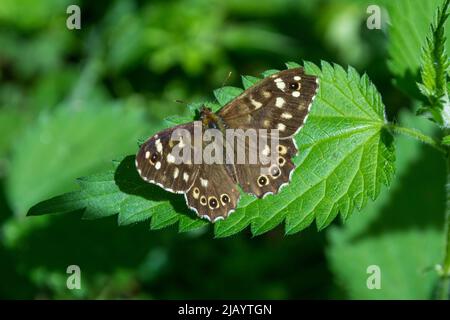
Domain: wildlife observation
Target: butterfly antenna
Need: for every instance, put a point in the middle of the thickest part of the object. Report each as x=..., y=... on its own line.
x=227, y=78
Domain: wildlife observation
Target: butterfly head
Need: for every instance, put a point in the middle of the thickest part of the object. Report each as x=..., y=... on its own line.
x=204, y=110
x=209, y=118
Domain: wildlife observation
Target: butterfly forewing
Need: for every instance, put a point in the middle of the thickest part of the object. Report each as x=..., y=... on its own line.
x=156, y=164
x=281, y=102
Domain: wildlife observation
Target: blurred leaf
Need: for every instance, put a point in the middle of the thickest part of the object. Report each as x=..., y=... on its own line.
x=65, y=145
x=400, y=232
x=342, y=145
x=184, y=33
x=28, y=14
x=446, y=140
x=11, y=123
x=404, y=258
x=256, y=37
x=270, y=8
x=125, y=35
x=194, y=34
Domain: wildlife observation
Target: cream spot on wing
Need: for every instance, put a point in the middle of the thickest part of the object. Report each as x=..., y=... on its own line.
x=204, y=182
x=266, y=123
x=279, y=103
x=286, y=115
x=281, y=127
x=185, y=176
x=159, y=146
x=281, y=85
x=175, y=173
x=255, y=103
x=170, y=158
x=158, y=165
x=296, y=94
x=147, y=154
x=267, y=94
x=297, y=78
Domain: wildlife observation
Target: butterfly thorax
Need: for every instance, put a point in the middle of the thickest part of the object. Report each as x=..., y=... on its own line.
x=210, y=120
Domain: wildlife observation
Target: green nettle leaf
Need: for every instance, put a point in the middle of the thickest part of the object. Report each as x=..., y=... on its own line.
x=176, y=119
x=270, y=72
x=434, y=69
x=248, y=81
x=292, y=65
x=226, y=94
x=399, y=214
x=345, y=155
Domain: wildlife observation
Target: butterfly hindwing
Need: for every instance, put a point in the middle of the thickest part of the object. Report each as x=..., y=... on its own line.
x=155, y=162
x=214, y=194
x=263, y=179
x=280, y=101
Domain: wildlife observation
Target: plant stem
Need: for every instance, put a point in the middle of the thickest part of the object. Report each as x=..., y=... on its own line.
x=443, y=290
x=444, y=285
x=416, y=134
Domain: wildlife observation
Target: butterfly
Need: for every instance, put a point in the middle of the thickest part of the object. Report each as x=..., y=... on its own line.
x=279, y=103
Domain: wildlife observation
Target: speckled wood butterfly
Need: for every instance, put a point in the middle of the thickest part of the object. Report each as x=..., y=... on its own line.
x=280, y=102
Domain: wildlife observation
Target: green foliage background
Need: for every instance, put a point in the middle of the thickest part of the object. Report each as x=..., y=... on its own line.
x=70, y=101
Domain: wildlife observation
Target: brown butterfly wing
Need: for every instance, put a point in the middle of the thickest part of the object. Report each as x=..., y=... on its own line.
x=155, y=162
x=210, y=189
x=214, y=194
x=281, y=101
x=264, y=179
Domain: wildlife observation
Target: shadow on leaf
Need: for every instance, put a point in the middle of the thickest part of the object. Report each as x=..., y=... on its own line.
x=129, y=182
